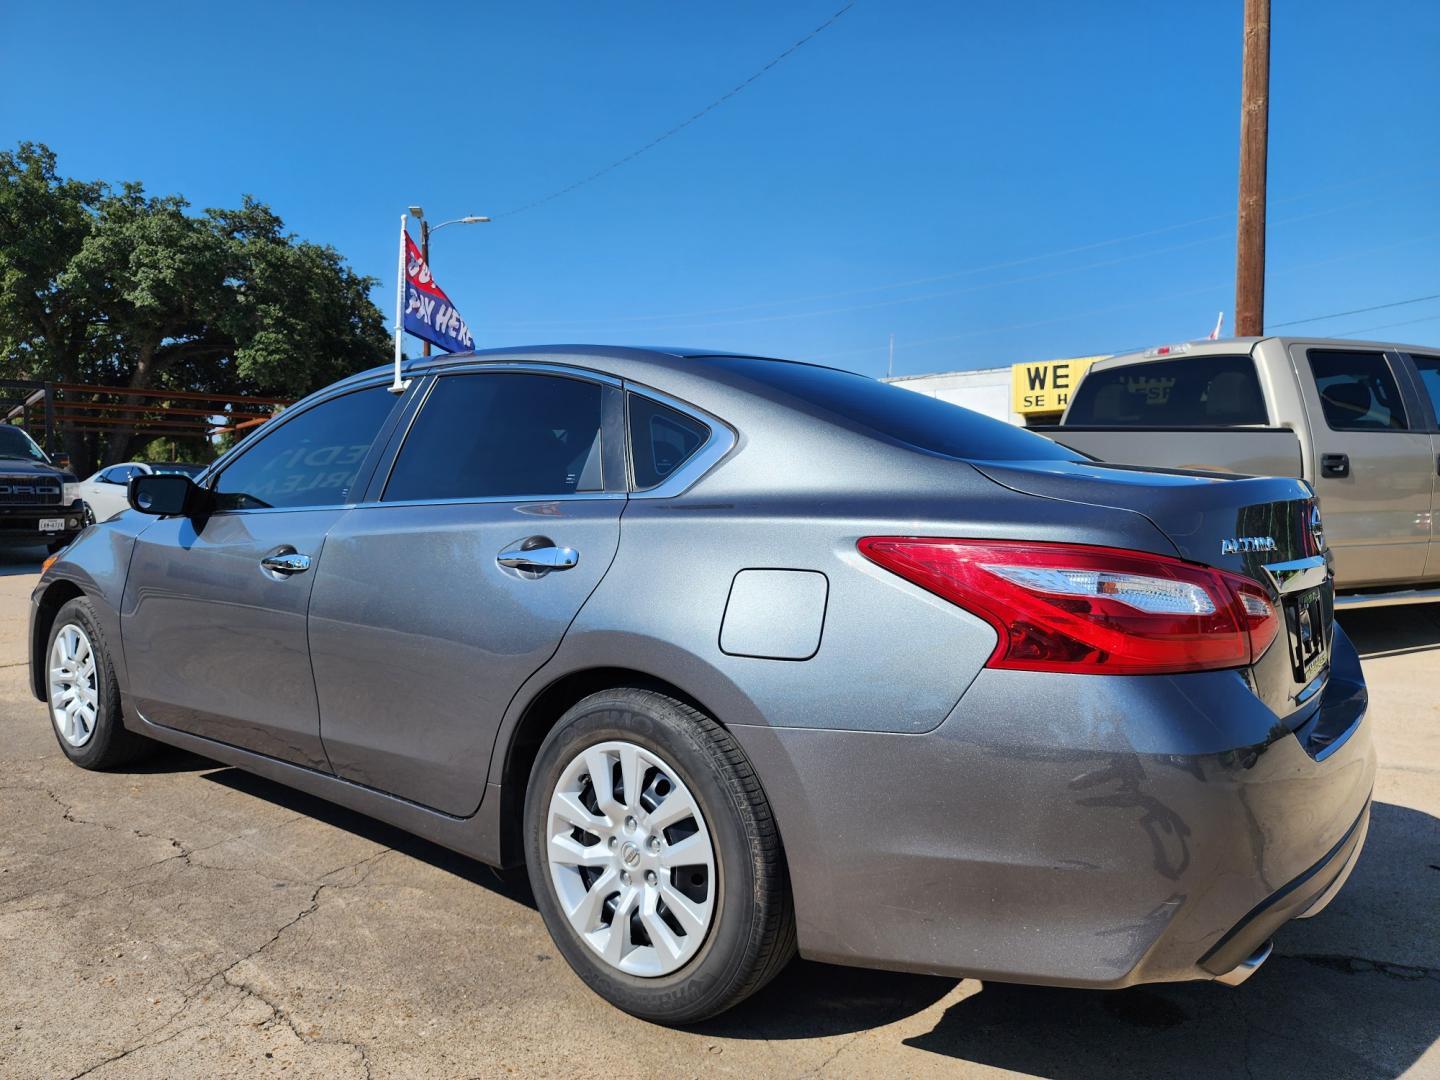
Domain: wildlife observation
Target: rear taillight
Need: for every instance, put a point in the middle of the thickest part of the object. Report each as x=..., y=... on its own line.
x=1069, y=607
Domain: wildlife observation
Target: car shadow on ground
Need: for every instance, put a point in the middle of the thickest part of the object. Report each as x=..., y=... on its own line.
x=1393, y=631
x=15, y=561
x=512, y=884
x=1322, y=996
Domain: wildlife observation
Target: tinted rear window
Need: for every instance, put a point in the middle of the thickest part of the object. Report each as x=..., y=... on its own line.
x=1193, y=391
x=1357, y=391
x=918, y=420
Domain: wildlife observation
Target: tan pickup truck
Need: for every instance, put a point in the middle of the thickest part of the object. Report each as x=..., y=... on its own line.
x=1356, y=419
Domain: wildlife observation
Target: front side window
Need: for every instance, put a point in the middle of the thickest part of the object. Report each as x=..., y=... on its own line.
x=1357, y=391
x=312, y=460
x=661, y=440
x=1429, y=367
x=502, y=434
x=1198, y=391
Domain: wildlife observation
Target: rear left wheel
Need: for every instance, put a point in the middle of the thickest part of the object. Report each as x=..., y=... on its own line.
x=654, y=857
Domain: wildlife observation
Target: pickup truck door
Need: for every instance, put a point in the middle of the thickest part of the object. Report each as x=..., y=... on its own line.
x=1427, y=374
x=1373, y=462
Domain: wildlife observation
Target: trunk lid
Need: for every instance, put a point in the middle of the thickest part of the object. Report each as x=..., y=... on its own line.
x=1266, y=528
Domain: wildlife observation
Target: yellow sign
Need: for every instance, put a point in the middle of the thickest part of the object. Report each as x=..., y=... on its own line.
x=1045, y=387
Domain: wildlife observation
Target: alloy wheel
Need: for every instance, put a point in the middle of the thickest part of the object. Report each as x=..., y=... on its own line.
x=74, y=697
x=631, y=859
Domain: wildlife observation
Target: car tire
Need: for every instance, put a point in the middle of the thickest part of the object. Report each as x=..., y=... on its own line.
x=705, y=925
x=87, y=722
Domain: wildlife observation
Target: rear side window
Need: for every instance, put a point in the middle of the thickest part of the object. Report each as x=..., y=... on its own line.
x=1357, y=391
x=917, y=420
x=497, y=434
x=1429, y=367
x=661, y=440
x=1198, y=391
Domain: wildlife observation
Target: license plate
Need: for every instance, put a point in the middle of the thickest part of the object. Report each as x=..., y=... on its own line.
x=52, y=524
x=1309, y=636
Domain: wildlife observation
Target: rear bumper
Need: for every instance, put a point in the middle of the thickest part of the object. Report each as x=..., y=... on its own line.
x=1073, y=830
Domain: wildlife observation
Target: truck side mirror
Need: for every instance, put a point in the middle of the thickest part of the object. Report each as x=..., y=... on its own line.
x=166, y=494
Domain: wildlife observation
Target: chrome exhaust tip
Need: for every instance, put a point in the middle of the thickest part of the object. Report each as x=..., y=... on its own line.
x=1247, y=967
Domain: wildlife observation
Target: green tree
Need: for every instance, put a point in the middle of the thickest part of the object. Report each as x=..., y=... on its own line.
x=122, y=288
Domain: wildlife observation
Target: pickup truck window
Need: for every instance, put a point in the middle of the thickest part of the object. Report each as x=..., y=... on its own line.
x=1357, y=391
x=1429, y=367
x=1198, y=391
x=14, y=443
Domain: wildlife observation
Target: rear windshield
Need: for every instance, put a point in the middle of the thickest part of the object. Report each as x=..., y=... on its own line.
x=1193, y=391
x=917, y=420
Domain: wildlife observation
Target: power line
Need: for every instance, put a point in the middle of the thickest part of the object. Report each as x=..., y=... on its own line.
x=680, y=126
x=1145, y=302
x=968, y=289
x=1356, y=311
x=1385, y=326
x=618, y=323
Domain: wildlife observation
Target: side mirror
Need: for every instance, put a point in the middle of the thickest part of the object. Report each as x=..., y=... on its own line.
x=166, y=494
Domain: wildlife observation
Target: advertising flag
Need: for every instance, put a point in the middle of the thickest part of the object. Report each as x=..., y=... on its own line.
x=429, y=314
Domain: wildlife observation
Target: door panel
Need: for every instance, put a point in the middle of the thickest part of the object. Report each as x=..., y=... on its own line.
x=420, y=638
x=215, y=643
x=1377, y=517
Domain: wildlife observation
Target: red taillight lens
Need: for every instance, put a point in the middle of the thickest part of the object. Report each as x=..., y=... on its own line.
x=1069, y=607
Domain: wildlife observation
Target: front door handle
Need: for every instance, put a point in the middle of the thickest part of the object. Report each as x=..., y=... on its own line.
x=538, y=555
x=286, y=563
x=1335, y=466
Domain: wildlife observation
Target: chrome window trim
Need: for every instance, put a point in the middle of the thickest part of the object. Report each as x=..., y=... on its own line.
x=519, y=500
x=528, y=366
x=435, y=375
x=721, y=441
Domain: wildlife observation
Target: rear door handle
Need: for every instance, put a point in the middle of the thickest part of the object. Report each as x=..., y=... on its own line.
x=286, y=563
x=541, y=558
x=1335, y=466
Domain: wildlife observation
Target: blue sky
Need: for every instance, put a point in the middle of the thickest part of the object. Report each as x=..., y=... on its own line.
x=988, y=183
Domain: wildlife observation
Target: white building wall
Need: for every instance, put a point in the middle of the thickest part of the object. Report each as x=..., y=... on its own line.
x=985, y=391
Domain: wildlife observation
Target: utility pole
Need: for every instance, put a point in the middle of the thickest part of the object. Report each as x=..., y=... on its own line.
x=890, y=365
x=1254, y=138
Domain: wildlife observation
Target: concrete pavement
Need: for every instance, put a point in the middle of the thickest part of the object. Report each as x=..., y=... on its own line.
x=188, y=920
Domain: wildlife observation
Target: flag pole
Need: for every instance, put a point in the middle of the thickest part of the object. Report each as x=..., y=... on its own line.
x=399, y=385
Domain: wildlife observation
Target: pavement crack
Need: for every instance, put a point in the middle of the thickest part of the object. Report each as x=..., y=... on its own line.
x=1362, y=965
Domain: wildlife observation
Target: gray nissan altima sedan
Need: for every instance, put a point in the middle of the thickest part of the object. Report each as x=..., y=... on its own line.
x=741, y=656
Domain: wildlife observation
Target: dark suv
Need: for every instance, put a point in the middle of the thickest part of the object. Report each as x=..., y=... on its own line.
x=38, y=503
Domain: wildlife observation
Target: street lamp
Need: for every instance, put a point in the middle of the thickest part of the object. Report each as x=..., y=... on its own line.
x=425, y=230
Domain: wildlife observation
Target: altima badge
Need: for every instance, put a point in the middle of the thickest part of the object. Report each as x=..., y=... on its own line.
x=1235, y=544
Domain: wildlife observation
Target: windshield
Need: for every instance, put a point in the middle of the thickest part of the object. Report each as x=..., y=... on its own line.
x=14, y=443
x=912, y=418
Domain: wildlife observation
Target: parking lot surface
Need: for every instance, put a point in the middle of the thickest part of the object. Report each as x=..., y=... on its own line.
x=187, y=920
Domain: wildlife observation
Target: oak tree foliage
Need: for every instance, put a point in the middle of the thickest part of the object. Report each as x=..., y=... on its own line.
x=111, y=285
